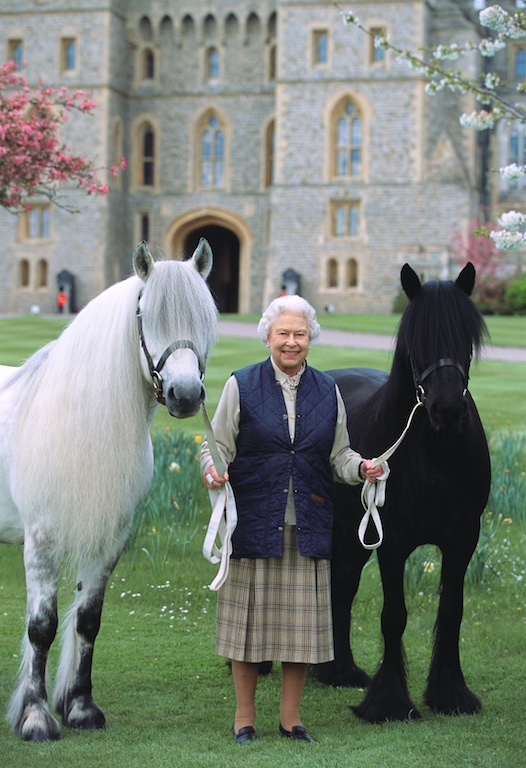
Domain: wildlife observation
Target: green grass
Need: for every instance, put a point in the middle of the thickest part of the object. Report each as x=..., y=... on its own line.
x=169, y=701
x=505, y=331
x=498, y=387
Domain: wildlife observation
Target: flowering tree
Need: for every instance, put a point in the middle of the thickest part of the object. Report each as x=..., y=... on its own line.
x=497, y=102
x=33, y=161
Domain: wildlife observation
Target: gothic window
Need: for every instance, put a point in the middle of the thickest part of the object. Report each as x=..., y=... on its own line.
x=147, y=64
x=68, y=54
x=351, y=273
x=320, y=46
x=212, y=64
x=272, y=63
x=212, y=153
x=269, y=153
x=23, y=274
x=147, y=157
x=16, y=52
x=332, y=273
x=347, y=140
x=42, y=273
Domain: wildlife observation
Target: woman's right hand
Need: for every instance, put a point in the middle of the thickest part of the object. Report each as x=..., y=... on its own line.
x=214, y=481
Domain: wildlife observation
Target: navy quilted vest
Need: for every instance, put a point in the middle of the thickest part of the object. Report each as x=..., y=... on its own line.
x=266, y=459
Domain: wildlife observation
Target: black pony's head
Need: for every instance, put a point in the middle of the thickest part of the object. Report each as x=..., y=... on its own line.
x=440, y=332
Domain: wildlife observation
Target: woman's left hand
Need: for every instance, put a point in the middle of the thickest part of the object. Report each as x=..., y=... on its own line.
x=369, y=472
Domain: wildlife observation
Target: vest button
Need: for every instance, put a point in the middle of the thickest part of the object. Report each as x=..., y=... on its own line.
x=285, y=490
x=292, y=453
x=280, y=528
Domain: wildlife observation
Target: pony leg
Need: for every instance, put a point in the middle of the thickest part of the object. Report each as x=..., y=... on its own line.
x=346, y=565
x=446, y=690
x=73, y=688
x=29, y=713
x=388, y=696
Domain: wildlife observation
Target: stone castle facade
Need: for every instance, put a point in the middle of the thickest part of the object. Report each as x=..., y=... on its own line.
x=284, y=137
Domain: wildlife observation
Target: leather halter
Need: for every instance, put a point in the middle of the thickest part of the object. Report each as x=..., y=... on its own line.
x=419, y=378
x=155, y=370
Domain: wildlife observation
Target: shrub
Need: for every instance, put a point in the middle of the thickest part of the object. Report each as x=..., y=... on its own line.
x=515, y=295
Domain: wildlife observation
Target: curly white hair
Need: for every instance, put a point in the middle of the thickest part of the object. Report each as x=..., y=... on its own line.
x=295, y=304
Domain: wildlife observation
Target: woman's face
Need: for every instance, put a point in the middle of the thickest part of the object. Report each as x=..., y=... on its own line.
x=288, y=341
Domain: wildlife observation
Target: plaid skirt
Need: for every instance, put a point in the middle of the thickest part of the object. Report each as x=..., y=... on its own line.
x=276, y=609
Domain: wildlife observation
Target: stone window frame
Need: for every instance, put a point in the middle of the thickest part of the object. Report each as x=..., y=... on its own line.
x=376, y=57
x=69, y=43
x=352, y=151
x=36, y=223
x=269, y=157
x=146, y=163
x=15, y=50
x=343, y=222
x=319, y=34
x=341, y=274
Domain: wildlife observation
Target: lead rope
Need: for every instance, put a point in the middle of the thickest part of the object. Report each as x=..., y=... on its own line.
x=373, y=494
x=223, y=519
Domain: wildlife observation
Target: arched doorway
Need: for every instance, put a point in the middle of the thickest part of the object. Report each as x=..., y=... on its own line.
x=224, y=278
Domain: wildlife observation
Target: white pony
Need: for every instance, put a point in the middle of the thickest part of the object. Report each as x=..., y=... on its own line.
x=76, y=459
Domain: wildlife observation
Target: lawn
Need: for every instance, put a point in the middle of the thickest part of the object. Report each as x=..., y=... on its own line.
x=497, y=387
x=168, y=699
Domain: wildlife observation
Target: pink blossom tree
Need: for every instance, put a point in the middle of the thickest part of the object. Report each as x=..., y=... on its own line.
x=33, y=161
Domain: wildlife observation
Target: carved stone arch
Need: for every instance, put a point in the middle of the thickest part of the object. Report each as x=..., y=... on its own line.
x=231, y=242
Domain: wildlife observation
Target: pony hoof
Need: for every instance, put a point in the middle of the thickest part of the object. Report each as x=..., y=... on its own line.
x=85, y=716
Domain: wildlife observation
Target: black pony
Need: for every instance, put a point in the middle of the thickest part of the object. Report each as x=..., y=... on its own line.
x=436, y=492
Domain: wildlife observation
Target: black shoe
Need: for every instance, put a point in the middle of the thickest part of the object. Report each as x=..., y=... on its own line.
x=245, y=735
x=298, y=733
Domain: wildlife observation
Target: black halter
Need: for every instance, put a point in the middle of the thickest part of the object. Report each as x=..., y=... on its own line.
x=419, y=378
x=155, y=370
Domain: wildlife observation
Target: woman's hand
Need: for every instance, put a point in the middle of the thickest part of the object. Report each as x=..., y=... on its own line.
x=214, y=481
x=368, y=472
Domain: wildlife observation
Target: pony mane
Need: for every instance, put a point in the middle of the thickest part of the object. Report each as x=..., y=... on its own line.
x=441, y=321
x=84, y=407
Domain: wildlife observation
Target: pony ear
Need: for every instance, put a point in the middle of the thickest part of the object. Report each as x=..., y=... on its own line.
x=466, y=279
x=142, y=261
x=202, y=258
x=410, y=281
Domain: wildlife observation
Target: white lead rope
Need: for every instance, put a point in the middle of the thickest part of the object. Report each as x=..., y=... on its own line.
x=373, y=494
x=223, y=520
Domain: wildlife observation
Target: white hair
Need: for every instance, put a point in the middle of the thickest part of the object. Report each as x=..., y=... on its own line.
x=295, y=304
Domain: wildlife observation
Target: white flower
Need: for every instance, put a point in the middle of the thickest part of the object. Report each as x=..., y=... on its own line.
x=442, y=52
x=507, y=241
x=175, y=467
x=491, y=80
x=489, y=48
x=349, y=18
x=512, y=172
x=494, y=17
x=512, y=220
x=478, y=120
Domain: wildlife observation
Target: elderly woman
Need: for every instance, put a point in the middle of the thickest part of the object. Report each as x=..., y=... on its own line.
x=281, y=429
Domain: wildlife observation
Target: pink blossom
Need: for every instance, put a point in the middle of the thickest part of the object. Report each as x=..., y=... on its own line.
x=33, y=159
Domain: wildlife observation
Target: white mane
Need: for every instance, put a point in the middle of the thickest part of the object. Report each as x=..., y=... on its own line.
x=82, y=451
